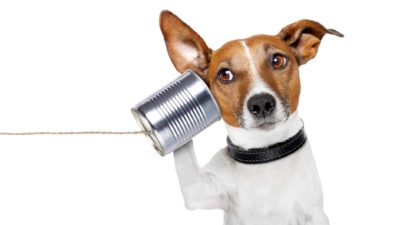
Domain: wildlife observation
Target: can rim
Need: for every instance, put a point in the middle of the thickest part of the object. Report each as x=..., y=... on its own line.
x=150, y=134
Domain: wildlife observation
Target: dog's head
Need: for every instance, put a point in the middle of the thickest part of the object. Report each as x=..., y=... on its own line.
x=254, y=80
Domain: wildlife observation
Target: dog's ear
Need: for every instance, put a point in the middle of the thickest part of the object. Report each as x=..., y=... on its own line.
x=304, y=37
x=186, y=48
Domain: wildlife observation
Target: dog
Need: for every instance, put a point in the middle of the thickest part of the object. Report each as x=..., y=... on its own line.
x=267, y=174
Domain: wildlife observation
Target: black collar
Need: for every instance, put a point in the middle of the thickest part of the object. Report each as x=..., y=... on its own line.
x=269, y=153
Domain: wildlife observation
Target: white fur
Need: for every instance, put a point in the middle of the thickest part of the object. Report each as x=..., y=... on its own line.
x=282, y=192
x=253, y=68
x=258, y=86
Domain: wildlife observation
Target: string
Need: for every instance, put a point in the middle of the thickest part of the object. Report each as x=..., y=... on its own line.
x=73, y=133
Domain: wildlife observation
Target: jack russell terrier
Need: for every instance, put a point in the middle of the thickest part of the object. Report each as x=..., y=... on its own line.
x=267, y=174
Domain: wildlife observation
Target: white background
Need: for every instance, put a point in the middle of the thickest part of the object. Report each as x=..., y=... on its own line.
x=81, y=65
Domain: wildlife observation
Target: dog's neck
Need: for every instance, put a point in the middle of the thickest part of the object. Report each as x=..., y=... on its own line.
x=261, y=138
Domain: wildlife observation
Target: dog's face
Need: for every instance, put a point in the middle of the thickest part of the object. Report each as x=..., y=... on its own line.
x=255, y=80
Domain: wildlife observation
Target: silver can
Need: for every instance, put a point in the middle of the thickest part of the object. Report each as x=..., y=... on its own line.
x=173, y=115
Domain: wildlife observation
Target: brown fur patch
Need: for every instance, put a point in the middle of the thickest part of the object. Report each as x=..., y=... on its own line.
x=229, y=96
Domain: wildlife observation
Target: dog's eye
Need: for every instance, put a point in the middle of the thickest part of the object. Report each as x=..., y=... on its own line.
x=279, y=61
x=225, y=75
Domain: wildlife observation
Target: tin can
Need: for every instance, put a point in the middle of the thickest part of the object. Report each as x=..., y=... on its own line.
x=176, y=113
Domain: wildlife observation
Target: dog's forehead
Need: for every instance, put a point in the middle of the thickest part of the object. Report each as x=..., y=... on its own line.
x=234, y=52
x=228, y=50
x=263, y=40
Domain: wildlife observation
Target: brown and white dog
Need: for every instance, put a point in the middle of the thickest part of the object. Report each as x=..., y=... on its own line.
x=256, y=84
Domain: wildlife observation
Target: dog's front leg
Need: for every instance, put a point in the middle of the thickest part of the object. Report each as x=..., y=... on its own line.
x=200, y=186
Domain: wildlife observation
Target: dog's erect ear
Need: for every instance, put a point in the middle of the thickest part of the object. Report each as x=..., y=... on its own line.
x=304, y=37
x=186, y=48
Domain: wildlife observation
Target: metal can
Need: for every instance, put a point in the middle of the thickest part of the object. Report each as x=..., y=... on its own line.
x=173, y=115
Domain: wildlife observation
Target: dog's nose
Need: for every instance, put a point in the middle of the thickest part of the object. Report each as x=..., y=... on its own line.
x=261, y=105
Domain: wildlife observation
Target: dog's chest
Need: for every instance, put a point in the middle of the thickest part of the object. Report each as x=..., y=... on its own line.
x=280, y=192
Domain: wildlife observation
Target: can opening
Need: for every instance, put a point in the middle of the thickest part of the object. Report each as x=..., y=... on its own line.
x=151, y=136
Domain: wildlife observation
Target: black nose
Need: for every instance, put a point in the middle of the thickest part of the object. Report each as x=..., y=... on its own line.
x=261, y=105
